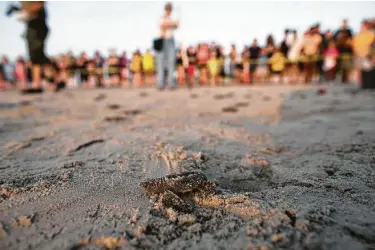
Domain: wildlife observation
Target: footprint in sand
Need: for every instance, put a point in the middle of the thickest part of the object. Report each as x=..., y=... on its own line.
x=242, y=104
x=229, y=110
x=267, y=98
x=114, y=118
x=100, y=97
x=113, y=106
x=132, y=112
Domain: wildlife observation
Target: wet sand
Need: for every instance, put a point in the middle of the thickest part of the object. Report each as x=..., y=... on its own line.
x=294, y=169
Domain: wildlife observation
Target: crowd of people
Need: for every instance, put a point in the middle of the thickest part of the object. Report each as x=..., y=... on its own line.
x=314, y=56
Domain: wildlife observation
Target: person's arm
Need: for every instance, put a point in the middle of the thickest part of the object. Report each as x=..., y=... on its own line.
x=32, y=7
x=335, y=36
x=167, y=24
x=350, y=33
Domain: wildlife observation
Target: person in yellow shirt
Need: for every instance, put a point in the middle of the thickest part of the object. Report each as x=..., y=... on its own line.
x=148, y=68
x=136, y=68
x=277, y=62
x=361, y=44
x=213, y=67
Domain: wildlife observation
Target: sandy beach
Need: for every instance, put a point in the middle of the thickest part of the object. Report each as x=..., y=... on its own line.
x=294, y=169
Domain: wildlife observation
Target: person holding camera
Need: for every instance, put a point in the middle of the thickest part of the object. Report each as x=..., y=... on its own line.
x=166, y=56
x=34, y=14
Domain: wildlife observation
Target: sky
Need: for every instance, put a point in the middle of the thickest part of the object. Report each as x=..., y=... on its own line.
x=89, y=26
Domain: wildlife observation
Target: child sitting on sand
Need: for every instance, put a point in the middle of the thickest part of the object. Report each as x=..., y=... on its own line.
x=277, y=62
x=213, y=68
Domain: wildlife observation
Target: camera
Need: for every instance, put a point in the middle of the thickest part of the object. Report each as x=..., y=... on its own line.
x=11, y=9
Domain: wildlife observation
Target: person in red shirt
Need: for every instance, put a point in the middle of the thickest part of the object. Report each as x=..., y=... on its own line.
x=192, y=59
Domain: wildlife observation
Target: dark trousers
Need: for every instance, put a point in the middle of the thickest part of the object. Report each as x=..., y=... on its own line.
x=36, y=37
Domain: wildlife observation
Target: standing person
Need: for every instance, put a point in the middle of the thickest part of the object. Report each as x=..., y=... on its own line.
x=2, y=84
x=82, y=69
x=192, y=59
x=254, y=54
x=284, y=47
x=166, y=59
x=246, y=65
x=270, y=46
x=277, y=62
x=319, y=60
x=36, y=34
x=114, y=68
x=203, y=55
x=124, y=69
x=327, y=39
x=232, y=57
x=311, y=45
x=294, y=54
x=20, y=72
x=330, y=60
x=221, y=56
x=99, y=64
x=148, y=68
x=362, y=43
x=136, y=68
x=8, y=73
x=343, y=38
x=180, y=68
x=261, y=72
x=213, y=67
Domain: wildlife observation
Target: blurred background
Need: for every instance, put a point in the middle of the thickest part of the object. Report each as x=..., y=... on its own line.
x=89, y=26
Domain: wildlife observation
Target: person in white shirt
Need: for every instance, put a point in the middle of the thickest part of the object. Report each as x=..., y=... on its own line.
x=166, y=58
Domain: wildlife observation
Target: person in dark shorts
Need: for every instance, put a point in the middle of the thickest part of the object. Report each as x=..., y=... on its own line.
x=36, y=34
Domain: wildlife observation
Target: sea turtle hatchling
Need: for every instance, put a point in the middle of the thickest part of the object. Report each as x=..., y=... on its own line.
x=174, y=190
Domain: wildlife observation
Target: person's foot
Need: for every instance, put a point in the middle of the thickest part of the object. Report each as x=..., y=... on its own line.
x=28, y=91
x=60, y=85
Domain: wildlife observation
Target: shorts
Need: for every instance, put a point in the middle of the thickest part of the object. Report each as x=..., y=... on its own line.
x=36, y=45
x=124, y=73
x=148, y=70
x=202, y=66
x=277, y=72
x=261, y=71
x=253, y=67
x=222, y=72
x=238, y=66
x=191, y=70
x=361, y=63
